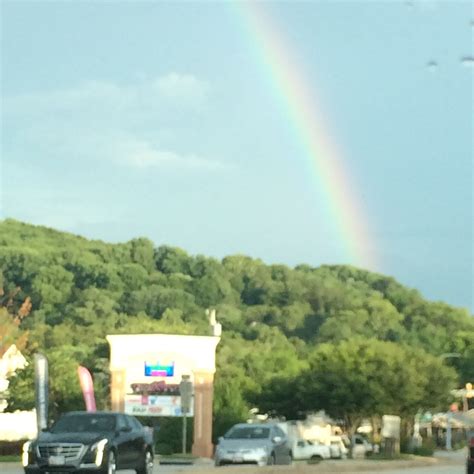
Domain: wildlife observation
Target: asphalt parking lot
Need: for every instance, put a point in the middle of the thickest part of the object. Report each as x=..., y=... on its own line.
x=443, y=464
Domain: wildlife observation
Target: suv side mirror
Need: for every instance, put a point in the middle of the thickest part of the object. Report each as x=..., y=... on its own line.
x=277, y=439
x=125, y=429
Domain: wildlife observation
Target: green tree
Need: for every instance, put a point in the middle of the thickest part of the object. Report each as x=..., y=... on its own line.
x=142, y=253
x=11, y=320
x=64, y=389
x=172, y=260
x=361, y=378
x=52, y=285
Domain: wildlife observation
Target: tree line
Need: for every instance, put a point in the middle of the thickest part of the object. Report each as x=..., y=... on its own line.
x=295, y=340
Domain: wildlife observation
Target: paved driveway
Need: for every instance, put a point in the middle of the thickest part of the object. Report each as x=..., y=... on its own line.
x=458, y=469
x=452, y=463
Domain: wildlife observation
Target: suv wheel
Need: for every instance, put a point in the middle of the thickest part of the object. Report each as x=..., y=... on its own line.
x=111, y=463
x=147, y=466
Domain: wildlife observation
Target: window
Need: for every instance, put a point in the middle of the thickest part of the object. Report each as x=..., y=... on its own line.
x=248, y=432
x=134, y=423
x=279, y=432
x=122, y=422
x=84, y=422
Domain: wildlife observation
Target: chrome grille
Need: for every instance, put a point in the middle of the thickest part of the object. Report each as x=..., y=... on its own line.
x=70, y=451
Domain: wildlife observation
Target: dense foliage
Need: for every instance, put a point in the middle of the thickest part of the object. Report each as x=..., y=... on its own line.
x=338, y=338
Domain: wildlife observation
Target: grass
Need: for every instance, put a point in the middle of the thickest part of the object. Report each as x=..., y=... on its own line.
x=10, y=458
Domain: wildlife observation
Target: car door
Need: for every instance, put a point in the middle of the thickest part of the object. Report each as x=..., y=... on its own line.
x=124, y=443
x=137, y=441
x=281, y=448
x=299, y=450
x=304, y=450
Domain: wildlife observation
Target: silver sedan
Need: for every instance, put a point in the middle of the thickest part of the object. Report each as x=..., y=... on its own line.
x=261, y=444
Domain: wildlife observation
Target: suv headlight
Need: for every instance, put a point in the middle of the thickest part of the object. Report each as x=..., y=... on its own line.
x=25, y=454
x=99, y=451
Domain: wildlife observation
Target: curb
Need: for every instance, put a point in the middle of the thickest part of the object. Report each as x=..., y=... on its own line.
x=339, y=467
x=176, y=461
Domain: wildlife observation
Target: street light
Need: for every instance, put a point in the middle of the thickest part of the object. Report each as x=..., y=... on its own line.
x=186, y=393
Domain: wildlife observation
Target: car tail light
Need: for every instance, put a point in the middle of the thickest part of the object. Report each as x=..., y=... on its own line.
x=471, y=442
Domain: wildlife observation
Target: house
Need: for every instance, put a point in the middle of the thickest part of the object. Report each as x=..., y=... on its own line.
x=21, y=424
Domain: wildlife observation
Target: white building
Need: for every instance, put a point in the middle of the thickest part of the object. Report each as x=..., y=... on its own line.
x=20, y=424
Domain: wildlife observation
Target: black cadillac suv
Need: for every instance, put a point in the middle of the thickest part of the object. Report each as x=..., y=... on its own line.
x=99, y=442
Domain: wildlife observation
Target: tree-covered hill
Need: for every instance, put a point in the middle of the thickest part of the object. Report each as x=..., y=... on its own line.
x=281, y=325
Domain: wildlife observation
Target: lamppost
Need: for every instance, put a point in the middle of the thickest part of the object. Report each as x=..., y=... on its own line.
x=186, y=393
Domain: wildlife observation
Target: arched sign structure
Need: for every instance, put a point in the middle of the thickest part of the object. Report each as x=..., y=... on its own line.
x=146, y=370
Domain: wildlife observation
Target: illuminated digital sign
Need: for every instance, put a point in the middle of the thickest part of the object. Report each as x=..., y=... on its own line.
x=159, y=370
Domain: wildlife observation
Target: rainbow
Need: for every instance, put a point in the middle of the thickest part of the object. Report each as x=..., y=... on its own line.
x=303, y=112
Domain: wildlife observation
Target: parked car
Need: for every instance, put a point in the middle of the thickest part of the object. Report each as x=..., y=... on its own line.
x=361, y=447
x=303, y=449
x=100, y=442
x=338, y=448
x=249, y=443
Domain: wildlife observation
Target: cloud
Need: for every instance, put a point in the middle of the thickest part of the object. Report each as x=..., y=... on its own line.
x=148, y=124
x=182, y=87
x=145, y=155
x=179, y=90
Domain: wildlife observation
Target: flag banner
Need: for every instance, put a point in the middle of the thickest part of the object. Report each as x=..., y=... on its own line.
x=87, y=386
x=41, y=391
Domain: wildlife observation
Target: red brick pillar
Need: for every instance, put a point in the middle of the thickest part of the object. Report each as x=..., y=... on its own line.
x=203, y=399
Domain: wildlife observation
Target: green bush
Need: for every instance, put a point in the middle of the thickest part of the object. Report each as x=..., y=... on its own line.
x=168, y=436
x=11, y=448
x=406, y=445
x=459, y=444
x=427, y=447
x=163, y=448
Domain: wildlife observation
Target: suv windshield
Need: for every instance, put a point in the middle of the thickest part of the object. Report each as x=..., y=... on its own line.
x=84, y=423
x=248, y=432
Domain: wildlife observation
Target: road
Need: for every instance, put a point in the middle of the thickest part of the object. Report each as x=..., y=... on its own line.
x=459, y=469
x=445, y=463
x=446, y=469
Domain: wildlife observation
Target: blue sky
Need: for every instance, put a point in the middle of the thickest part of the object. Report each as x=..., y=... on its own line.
x=155, y=119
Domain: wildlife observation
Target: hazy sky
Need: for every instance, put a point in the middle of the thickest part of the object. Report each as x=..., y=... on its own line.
x=166, y=120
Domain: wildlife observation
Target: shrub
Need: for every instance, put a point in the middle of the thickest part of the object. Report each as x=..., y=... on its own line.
x=427, y=447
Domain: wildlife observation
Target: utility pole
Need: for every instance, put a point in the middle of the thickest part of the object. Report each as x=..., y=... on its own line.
x=186, y=392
